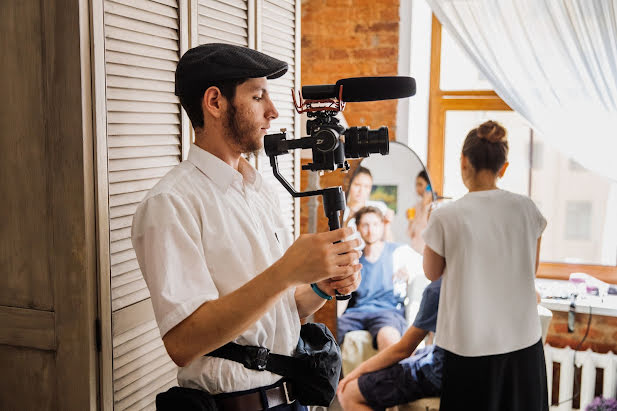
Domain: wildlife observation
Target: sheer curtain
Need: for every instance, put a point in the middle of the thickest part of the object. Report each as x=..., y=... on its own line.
x=553, y=61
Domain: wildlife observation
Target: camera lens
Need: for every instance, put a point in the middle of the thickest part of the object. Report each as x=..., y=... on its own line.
x=361, y=142
x=326, y=139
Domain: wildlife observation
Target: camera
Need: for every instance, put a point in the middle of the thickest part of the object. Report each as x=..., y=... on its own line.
x=331, y=144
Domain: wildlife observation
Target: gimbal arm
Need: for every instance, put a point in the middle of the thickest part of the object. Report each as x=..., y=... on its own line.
x=333, y=202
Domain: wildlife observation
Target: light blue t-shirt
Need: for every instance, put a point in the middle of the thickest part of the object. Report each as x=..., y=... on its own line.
x=376, y=290
x=431, y=359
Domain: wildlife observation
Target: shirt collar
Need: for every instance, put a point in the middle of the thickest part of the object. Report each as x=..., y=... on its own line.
x=221, y=173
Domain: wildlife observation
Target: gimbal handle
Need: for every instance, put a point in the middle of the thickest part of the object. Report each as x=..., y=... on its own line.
x=333, y=201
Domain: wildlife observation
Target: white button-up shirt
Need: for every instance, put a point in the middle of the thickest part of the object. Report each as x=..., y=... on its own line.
x=202, y=232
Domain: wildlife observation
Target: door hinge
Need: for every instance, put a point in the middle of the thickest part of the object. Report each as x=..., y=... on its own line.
x=99, y=332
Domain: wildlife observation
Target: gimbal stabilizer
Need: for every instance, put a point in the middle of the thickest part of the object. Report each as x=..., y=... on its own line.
x=330, y=142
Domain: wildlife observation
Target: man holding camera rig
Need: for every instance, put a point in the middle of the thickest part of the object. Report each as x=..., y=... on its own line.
x=213, y=248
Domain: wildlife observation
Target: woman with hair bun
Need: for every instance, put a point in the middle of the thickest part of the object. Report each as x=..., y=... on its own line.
x=486, y=246
x=418, y=215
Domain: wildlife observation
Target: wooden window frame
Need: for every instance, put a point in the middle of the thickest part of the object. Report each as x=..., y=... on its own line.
x=440, y=102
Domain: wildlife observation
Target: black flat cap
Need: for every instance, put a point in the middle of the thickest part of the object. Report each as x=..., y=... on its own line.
x=203, y=65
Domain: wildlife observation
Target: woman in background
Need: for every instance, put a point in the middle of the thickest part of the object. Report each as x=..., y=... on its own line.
x=418, y=215
x=358, y=195
x=486, y=247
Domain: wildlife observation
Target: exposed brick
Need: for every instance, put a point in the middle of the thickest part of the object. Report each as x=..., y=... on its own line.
x=376, y=53
x=338, y=3
x=338, y=54
x=350, y=68
x=334, y=41
x=370, y=3
x=313, y=5
x=390, y=14
x=602, y=336
x=314, y=56
x=306, y=43
x=365, y=16
x=387, y=69
x=385, y=38
x=327, y=315
x=329, y=18
x=385, y=26
x=348, y=38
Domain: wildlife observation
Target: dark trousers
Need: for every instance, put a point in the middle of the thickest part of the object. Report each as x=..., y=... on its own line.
x=515, y=381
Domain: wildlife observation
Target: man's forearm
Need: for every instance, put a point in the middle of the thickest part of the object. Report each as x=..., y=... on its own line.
x=307, y=301
x=384, y=359
x=217, y=322
x=394, y=353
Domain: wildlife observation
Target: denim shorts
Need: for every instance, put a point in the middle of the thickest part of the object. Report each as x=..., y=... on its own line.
x=370, y=321
x=399, y=384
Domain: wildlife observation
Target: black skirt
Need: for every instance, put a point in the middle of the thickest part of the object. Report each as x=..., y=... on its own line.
x=514, y=381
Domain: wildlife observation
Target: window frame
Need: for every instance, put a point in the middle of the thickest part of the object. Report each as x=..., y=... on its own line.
x=440, y=102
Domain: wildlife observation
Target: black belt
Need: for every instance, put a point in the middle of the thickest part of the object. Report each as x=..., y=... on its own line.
x=279, y=394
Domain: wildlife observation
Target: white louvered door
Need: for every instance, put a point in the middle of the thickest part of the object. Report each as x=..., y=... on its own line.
x=144, y=140
x=225, y=21
x=277, y=36
x=145, y=135
x=233, y=22
x=143, y=123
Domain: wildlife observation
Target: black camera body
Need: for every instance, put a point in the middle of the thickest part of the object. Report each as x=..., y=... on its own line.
x=331, y=144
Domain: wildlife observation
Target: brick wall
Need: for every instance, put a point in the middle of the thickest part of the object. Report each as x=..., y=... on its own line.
x=348, y=38
x=602, y=335
x=352, y=38
x=602, y=338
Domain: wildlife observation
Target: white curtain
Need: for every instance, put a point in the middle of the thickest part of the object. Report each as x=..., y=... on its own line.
x=553, y=61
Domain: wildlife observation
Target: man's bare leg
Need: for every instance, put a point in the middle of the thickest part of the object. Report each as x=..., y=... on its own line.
x=352, y=399
x=386, y=337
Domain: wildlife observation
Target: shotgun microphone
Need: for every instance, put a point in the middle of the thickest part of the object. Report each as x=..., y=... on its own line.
x=356, y=89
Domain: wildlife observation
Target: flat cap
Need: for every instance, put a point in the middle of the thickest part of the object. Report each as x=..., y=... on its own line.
x=203, y=65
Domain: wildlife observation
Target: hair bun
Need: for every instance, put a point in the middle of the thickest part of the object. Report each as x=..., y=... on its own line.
x=491, y=131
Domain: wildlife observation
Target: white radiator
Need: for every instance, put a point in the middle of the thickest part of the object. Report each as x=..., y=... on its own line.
x=589, y=361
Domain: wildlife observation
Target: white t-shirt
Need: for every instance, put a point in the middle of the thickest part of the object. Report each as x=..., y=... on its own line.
x=487, y=304
x=202, y=232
